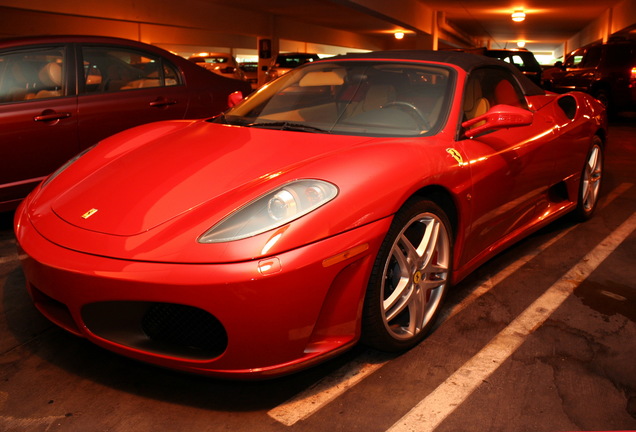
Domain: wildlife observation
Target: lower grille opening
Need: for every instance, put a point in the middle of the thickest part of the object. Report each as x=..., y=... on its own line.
x=185, y=326
x=54, y=310
x=163, y=328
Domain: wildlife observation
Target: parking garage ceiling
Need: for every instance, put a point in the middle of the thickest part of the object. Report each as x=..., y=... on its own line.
x=548, y=23
x=550, y=26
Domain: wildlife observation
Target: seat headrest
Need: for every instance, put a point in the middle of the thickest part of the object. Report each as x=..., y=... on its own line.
x=51, y=75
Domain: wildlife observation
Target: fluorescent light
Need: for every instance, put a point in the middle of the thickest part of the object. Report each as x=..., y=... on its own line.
x=518, y=16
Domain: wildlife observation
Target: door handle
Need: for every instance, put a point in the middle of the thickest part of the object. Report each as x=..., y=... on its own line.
x=51, y=116
x=161, y=102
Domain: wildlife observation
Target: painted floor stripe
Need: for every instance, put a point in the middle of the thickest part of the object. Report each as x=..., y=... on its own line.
x=308, y=402
x=324, y=391
x=438, y=405
x=9, y=259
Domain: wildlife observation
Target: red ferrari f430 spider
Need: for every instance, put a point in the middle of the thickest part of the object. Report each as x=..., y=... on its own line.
x=335, y=205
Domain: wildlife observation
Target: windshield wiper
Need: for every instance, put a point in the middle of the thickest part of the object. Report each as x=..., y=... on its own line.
x=285, y=125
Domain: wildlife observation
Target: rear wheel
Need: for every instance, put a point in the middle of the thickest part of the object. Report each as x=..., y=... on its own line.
x=603, y=97
x=590, y=184
x=409, y=278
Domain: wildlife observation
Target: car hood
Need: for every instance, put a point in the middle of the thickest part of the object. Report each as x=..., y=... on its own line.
x=147, y=185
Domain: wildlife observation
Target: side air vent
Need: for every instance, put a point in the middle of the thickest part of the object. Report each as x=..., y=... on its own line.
x=568, y=106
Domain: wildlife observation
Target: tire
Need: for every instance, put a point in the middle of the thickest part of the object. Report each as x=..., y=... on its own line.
x=603, y=97
x=590, y=183
x=409, y=278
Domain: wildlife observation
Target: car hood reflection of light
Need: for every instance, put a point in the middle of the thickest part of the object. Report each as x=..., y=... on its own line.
x=169, y=176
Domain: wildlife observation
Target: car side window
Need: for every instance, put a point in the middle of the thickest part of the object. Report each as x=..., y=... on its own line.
x=170, y=74
x=575, y=59
x=514, y=60
x=108, y=69
x=593, y=56
x=517, y=60
x=487, y=87
x=32, y=74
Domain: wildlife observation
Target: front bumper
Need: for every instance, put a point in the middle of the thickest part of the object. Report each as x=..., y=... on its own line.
x=249, y=319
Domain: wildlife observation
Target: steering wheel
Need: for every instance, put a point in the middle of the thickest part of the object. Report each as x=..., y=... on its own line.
x=414, y=111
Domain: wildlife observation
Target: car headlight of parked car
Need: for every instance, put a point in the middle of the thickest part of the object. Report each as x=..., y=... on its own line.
x=272, y=210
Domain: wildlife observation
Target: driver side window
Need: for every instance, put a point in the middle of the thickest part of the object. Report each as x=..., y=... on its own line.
x=487, y=87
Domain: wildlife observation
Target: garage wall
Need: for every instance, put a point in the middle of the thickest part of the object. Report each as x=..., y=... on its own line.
x=614, y=20
x=623, y=16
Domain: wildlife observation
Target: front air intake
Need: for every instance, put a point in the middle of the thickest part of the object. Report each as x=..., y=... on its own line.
x=184, y=326
x=161, y=328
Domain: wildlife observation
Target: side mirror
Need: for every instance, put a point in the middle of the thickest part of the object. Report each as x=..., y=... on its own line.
x=234, y=98
x=498, y=117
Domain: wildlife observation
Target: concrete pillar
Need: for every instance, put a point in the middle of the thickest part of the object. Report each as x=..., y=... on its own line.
x=267, y=47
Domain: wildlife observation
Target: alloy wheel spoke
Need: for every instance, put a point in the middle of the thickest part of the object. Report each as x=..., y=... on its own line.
x=417, y=311
x=591, y=180
x=426, y=248
x=399, y=297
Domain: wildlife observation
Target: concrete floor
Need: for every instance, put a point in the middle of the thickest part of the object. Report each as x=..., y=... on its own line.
x=542, y=338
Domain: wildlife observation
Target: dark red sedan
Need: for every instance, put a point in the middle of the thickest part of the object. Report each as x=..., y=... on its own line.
x=62, y=94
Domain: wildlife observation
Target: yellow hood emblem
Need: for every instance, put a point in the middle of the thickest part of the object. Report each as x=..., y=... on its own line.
x=89, y=213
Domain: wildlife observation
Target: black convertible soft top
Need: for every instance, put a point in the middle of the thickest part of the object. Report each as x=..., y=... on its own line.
x=463, y=60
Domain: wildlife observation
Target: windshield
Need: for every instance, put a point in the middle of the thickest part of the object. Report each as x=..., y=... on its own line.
x=353, y=98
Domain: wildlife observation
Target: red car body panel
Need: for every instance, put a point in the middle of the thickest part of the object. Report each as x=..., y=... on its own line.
x=299, y=292
x=119, y=228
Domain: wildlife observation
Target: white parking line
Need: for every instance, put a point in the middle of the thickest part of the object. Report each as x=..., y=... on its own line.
x=308, y=402
x=8, y=259
x=329, y=388
x=445, y=399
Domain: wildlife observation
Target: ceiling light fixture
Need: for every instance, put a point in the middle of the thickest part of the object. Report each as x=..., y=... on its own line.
x=399, y=35
x=518, y=16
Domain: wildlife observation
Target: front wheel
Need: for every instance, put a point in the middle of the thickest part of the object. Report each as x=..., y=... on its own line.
x=409, y=279
x=590, y=184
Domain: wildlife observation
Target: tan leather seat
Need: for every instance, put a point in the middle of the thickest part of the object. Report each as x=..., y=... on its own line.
x=375, y=97
x=51, y=77
x=475, y=104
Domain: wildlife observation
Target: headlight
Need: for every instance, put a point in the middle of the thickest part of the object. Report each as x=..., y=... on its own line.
x=272, y=210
